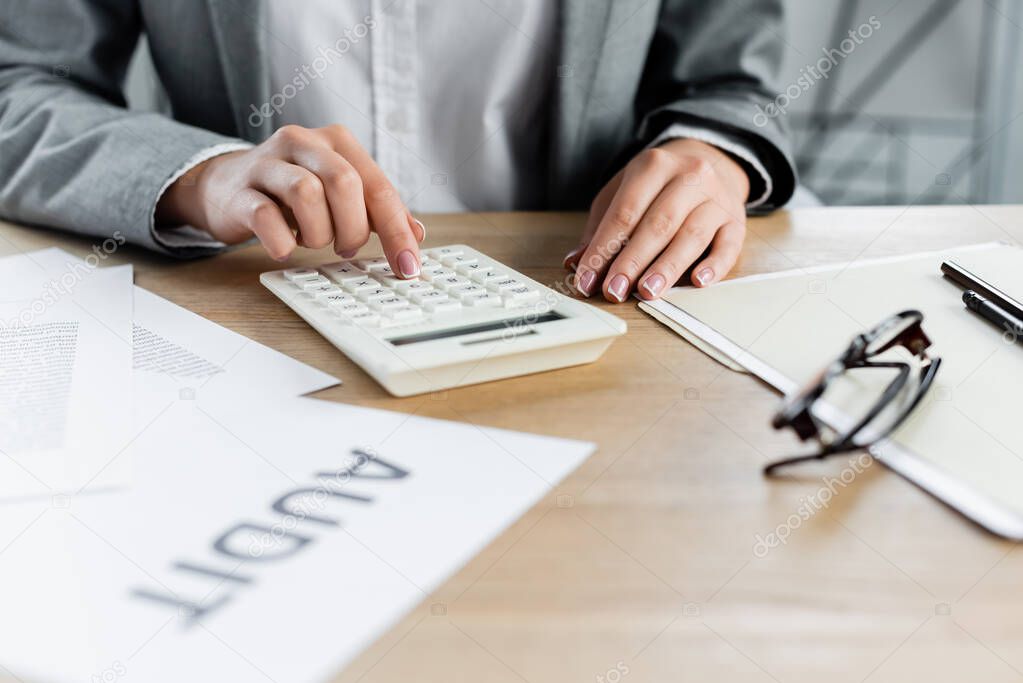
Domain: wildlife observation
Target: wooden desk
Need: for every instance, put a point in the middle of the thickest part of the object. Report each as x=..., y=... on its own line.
x=644, y=559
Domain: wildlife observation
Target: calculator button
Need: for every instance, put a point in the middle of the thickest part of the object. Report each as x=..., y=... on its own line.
x=472, y=269
x=371, y=264
x=339, y=299
x=443, y=252
x=445, y=305
x=361, y=285
x=504, y=284
x=450, y=283
x=366, y=319
x=312, y=284
x=520, y=295
x=342, y=272
x=488, y=277
x=429, y=263
x=374, y=294
x=388, y=281
x=469, y=290
x=410, y=287
x=323, y=291
x=432, y=274
x=461, y=260
x=421, y=297
x=405, y=314
x=388, y=303
x=298, y=274
x=353, y=309
x=483, y=300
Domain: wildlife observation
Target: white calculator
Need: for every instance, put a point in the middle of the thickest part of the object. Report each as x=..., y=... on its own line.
x=466, y=319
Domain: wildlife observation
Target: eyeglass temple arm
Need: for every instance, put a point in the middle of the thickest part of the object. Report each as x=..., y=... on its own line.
x=845, y=443
x=771, y=469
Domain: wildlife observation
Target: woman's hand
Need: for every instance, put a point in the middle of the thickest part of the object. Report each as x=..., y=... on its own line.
x=308, y=187
x=657, y=216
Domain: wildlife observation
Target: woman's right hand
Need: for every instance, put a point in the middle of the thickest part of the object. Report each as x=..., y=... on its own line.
x=302, y=187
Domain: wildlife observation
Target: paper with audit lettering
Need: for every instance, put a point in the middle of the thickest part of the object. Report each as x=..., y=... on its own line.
x=264, y=535
x=259, y=549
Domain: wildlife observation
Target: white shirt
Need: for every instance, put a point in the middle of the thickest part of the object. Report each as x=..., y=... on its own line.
x=451, y=98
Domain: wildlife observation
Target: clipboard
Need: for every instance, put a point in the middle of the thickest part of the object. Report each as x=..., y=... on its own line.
x=759, y=325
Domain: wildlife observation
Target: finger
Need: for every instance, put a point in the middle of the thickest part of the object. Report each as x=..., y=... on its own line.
x=643, y=180
x=418, y=229
x=597, y=210
x=655, y=231
x=259, y=214
x=302, y=193
x=343, y=189
x=724, y=253
x=388, y=215
x=689, y=242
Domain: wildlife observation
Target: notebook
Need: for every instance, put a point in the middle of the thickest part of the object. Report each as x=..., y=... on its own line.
x=964, y=443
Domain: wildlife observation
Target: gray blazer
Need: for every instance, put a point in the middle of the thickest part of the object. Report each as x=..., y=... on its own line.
x=72, y=156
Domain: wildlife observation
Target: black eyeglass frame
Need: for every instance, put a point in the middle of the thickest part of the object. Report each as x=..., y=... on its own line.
x=797, y=410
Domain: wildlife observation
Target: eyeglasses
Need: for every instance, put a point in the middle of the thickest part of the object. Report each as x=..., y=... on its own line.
x=903, y=330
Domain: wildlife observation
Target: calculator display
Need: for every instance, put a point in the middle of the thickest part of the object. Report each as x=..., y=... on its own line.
x=516, y=326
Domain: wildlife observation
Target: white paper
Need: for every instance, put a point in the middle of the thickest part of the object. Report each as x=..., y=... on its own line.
x=178, y=354
x=162, y=581
x=107, y=581
x=65, y=375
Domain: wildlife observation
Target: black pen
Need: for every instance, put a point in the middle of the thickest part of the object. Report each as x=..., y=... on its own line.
x=991, y=312
x=967, y=280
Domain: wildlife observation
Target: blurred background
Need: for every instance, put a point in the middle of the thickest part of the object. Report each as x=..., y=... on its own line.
x=927, y=109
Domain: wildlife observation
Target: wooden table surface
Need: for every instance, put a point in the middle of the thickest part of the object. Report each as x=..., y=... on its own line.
x=643, y=565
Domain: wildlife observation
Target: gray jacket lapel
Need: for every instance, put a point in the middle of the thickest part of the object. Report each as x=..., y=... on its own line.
x=583, y=27
x=594, y=85
x=241, y=41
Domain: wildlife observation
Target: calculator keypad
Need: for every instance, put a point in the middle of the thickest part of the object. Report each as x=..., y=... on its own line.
x=453, y=285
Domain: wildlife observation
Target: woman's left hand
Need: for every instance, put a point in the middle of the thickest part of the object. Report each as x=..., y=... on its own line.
x=657, y=216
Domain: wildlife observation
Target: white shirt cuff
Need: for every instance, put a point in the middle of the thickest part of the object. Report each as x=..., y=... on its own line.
x=728, y=143
x=182, y=236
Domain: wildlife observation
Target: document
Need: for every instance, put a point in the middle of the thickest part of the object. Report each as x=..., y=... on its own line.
x=262, y=539
x=177, y=354
x=963, y=443
x=65, y=375
x=263, y=535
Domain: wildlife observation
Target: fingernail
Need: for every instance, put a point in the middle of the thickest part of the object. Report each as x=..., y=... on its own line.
x=408, y=264
x=705, y=277
x=348, y=253
x=653, y=284
x=618, y=287
x=570, y=256
x=421, y=227
x=584, y=282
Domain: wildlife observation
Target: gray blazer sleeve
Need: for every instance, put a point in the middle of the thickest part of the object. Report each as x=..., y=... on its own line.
x=71, y=154
x=714, y=64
